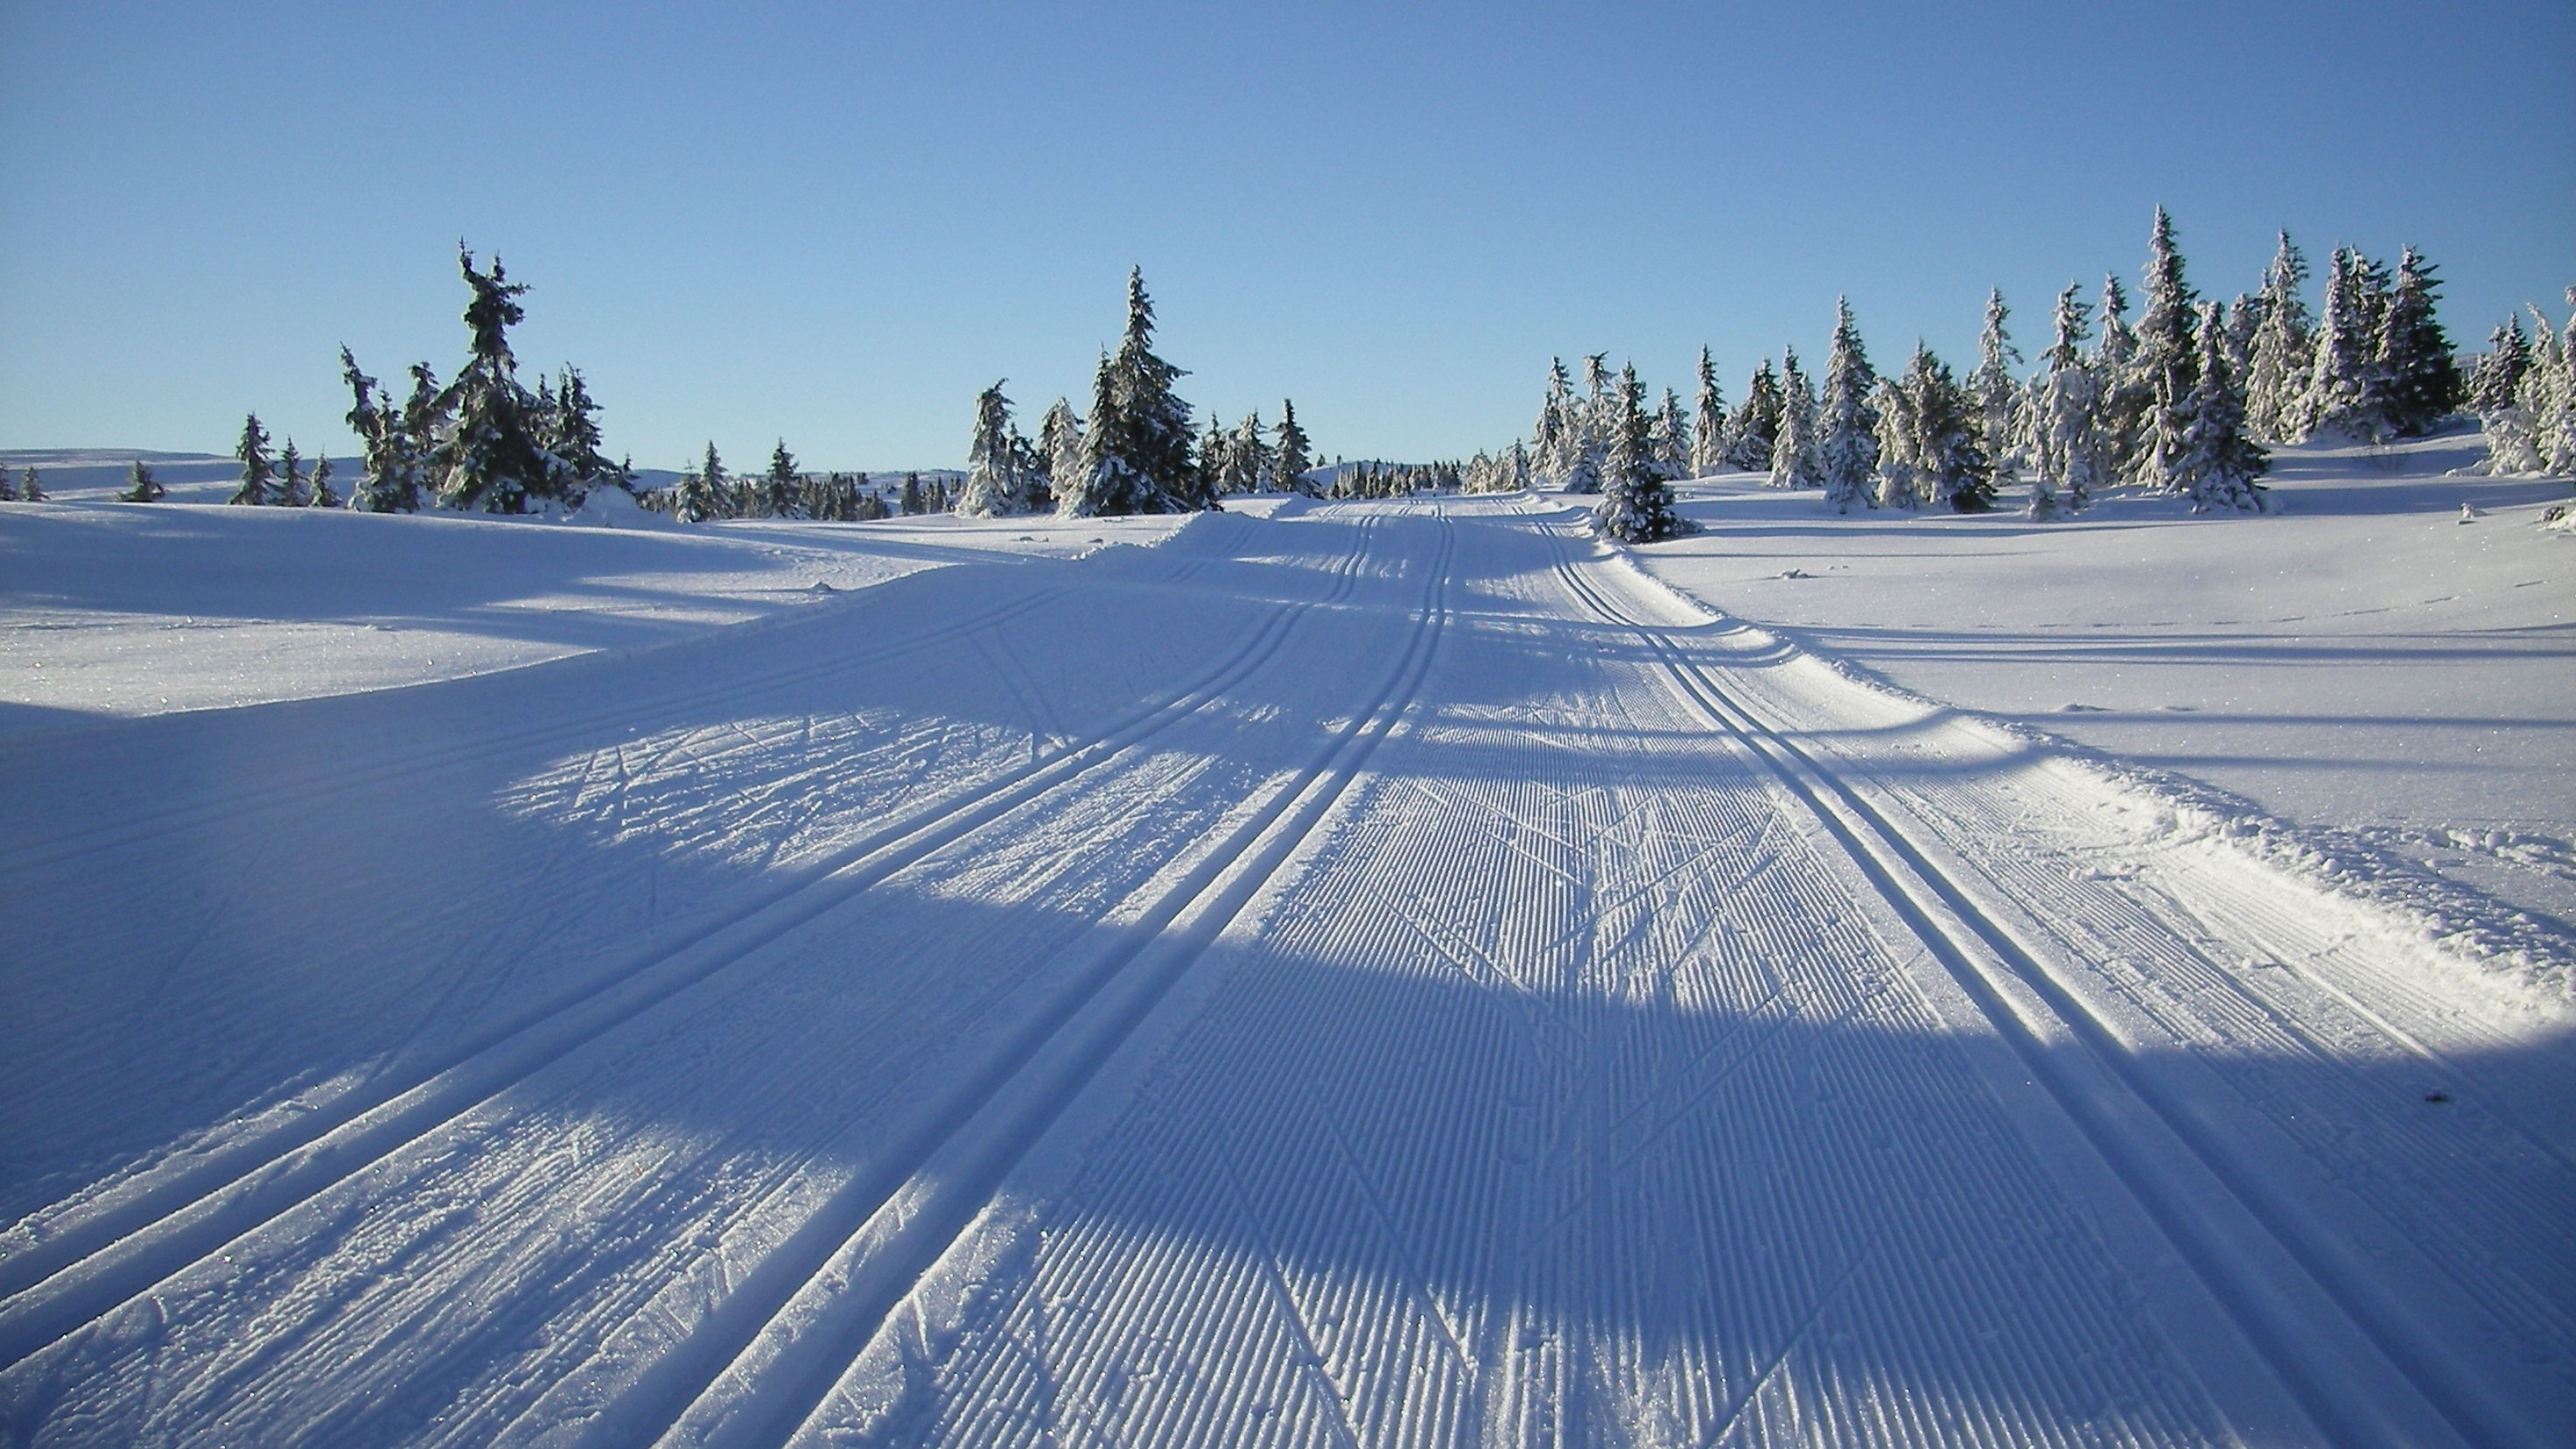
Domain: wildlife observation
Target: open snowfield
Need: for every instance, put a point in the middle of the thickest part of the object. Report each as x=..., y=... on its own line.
x=1372, y=974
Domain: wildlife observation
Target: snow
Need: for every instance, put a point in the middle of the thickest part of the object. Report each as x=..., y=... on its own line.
x=1368, y=973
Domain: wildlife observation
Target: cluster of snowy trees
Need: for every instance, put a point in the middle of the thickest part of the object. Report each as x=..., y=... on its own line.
x=2180, y=402
x=1133, y=452
x=2524, y=393
x=483, y=442
x=785, y=491
x=266, y=481
x=30, y=488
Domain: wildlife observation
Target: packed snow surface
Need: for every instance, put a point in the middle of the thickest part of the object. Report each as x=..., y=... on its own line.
x=1374, y=974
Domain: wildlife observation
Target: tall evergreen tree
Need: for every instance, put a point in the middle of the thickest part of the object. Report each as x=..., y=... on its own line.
x=1903, y=483
x=1557, y=435
x=991, y=489
x=2276, y=381
x=1709, y=441
x=1636, y=505
x=1793, y=451
x=290, y=476
x=488, y=459
x=1929, y=445
x=2492, y=383
x=390, y=479
x=1289, y=459
x=702, y=493
x=2423, y=377
x=1248, y=463
x=1754, y=431
x=1147, y=430
x=782, y=488
x=1101, y=481
x=1672, y=438
x=259, y=472
x=2344, y=391
x=141, y=486
x=568, y=436
x=2216, y=465
x=2000, y=400
x=1060, y=441
x=2166, y=366
x=1847, y=441
x=2071, y=459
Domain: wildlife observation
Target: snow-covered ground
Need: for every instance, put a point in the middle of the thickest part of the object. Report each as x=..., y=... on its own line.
x=1381, y=973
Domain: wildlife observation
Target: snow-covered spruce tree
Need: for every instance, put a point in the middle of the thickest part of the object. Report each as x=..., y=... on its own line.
x=1148, y=429
x=2217, y=464
x=782, y=489
x=1589, y=440
x=1060, y=440
x=488, y=459
x=290, y=476
x=1556, y=436
x=1636, y=505
x=1708, y=435
x=2346, y=393
x=2166, y=365
x=1755, y=429
x=911, y=500
x=1211, y=456
x=1250, y=466
x=389, y=453
x=1793, y=451
x=2070, y=461
x=2537, y=434
x=702, y=493
x=2276, y=381
x=2000, y=400
x=1289, y=458
x=991, y=490
x=2492, y=382
x=2123, y=399
x=259, y=472
x=320, y=495
x=1847, y=432
x=1902, y=483
x=568, y=435
x=1949, y=437
x=1672, y=438
x=2423, y=377
x=141, y=486
x=1101, y=480
x=8, y=487
x=31, y=487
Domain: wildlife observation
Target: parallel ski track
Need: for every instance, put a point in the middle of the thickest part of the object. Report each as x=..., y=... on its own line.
x=88, y=1267
x=2003, y=975
x=761, y=1365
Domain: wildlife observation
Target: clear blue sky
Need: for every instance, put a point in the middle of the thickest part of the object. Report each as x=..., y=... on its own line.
x=836, y=222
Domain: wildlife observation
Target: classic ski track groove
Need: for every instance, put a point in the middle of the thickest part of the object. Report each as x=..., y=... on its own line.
x=85, y=1268
x=775, y=1356
x=1987, y=959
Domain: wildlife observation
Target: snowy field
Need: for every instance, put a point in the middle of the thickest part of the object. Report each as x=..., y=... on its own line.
x=1373, y=974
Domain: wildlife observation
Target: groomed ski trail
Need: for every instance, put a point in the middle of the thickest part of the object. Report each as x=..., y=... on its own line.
x=1389, y=975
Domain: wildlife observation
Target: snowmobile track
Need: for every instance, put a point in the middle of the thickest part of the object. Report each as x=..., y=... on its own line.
x=2223, y=1215
x=88, y=1267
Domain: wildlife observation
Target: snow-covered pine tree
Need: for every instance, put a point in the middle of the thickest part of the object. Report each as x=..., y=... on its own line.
x=1556, y=435
x=1672, y=437
x=2000, y=400
x=1636, y=505
x=2166, y=365
x=1060, y=440
x=8, y=487
x=991, y=491
x=1211, y=455
x=1755, y=429
x=259, y=472
x=2538, y=433
x=1249, y=466
x=141, y=486
x=568, y=434
x=1593, y=418
x=702, y=493
x=2070, y=461
x=1290, y=458
x=2344, y=392
x=321, y=495
x=1948, y=442
x=2123, y=400
x=2492, y=382
x=290, y=476
x=31, y=487
x=782, y=488
x=1793, y=450
x=1902, y=483
x=912, y=502
x=1101, y=480
x=2284, y=360
x=2216, y=464
x=1149, y=429
x=2423, y=377
x=390, y=480
x=1708, y=435
x=488, y=459
x=1847, y=433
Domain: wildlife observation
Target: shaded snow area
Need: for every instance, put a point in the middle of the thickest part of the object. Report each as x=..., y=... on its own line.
x=1375, y=974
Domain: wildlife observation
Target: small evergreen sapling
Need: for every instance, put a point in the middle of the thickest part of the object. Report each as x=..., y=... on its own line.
x=141, y=486
x=31, y=488
x=321, y=495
